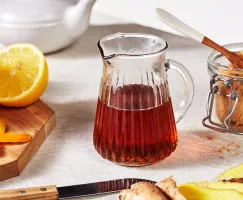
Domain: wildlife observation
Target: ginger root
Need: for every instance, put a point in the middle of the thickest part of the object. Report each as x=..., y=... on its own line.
x=142, y=191
x=194, y=192
x=235, y=180
x=232, y=173
x=163, y=190
x=227, y=187
x=169, y=187
x=220, y=185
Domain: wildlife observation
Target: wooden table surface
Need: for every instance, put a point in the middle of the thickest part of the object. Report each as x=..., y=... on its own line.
x=67, y=157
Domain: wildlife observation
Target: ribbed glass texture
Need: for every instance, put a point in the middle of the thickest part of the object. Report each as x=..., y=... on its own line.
x=135, y=122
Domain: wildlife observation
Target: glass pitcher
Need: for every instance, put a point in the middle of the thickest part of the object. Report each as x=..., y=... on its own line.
x=135, y=123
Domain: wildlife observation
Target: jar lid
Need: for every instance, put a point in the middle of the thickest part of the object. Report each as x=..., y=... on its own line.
x=21, y=12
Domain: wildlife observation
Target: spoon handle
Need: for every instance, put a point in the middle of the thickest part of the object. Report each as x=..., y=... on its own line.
x=178, y=25
x=185, y=29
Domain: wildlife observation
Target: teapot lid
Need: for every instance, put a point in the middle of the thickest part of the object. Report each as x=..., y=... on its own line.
x=31, y=11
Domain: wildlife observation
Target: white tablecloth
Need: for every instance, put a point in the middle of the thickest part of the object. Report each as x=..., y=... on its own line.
x=67, y=157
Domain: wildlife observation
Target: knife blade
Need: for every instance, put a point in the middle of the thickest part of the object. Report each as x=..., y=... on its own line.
x=53, y=192
x=103, y=187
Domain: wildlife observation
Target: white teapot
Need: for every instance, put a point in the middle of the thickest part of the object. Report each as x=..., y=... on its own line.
x=49, y=24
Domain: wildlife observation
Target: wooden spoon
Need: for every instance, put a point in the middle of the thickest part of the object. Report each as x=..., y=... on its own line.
x=185, y=29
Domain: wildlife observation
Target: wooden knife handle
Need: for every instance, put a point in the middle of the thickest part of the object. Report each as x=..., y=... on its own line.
x=42, y=193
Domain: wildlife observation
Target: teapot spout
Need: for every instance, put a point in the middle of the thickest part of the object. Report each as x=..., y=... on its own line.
x=77, y=17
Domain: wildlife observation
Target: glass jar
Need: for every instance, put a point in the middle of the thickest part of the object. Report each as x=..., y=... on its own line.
x=225, y=98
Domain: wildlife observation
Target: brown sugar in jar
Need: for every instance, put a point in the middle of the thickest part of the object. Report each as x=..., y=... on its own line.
x=225, y=103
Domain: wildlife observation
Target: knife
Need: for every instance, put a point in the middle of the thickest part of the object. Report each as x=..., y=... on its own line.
x=54, y=193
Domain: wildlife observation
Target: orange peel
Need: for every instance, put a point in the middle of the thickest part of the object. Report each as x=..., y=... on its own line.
x=14, y=138
x=2, y=126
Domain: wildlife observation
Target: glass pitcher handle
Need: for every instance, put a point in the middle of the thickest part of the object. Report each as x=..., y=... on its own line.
x=189, y=87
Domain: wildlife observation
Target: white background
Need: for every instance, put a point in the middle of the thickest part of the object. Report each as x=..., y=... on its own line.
x=219, y=19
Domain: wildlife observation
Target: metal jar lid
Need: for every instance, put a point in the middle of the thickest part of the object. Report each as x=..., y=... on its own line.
x=225, y=76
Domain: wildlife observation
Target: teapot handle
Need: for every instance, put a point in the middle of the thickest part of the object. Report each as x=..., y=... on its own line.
x=188, y=91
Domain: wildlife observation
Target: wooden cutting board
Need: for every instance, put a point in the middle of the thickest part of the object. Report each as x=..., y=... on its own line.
x=38, y=120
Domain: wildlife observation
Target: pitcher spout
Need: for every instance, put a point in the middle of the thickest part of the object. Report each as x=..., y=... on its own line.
x=103, y=53
x=77, y=17
x=109, y=46
x=130, y=45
